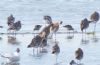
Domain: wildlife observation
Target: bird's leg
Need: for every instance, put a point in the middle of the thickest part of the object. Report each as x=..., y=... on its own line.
x=33, y=51
x=85, y=34
x=82, y=37
x=85, y=31
x=45, y=24
x=82, y=34
x=15, y=33
x=69, y=32
x=94, y=27
x=37, y=51
x=73, y=32
x=41, y=49
x=41, y=45
x=51, y=35
x=55, y=37
x=33, y=33
x=77, y=61
x=56, y=58
x=12, y=32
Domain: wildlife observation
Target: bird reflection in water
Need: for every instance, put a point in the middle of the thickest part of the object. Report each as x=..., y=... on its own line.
x=95, y=39
x=84, y=40
x=74, y=63
x=11, y=63
x=0, y=38
x=70, y=36
x=12, y=40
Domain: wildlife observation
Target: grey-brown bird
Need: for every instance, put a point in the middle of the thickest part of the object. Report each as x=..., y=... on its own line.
x=48, y=19
x=10, y=20
x=94, y=18
x=69, y=28
x=84, y=24
x=37, y=27
x=15, y=26
x=79, y=54
x=38, y=41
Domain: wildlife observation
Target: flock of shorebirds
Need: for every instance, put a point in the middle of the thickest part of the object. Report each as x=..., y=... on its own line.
x=40, y=40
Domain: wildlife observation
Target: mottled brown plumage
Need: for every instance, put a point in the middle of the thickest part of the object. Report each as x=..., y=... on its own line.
x=95, y=17
x=15, y=26
x=79, y=54
x=84, y=24
x=10, y=20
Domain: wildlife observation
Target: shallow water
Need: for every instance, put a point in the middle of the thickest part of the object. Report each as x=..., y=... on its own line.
x=67, y=49
x=31, y=12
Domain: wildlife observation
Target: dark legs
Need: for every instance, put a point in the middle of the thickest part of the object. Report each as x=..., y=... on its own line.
x=94, y=27
x=55, y=38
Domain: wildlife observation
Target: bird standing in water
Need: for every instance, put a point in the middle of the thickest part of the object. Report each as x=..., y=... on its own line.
x=69, y=27
x=79, y=54
x=10, y=20
x=94, y=18
x=84, y=24
x=15, y=26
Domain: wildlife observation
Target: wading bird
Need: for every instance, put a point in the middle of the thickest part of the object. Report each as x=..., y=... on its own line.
x=84, y=24
x=38, y=41
x=94, y=18
x=10, y=20
x=79, y=54
x=15, y=26
x=69, y=28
